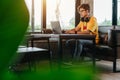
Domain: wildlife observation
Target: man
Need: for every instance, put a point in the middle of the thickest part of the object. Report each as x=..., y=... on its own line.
x=87, y=25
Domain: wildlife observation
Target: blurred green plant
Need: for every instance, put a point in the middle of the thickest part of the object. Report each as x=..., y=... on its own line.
x=14, y=19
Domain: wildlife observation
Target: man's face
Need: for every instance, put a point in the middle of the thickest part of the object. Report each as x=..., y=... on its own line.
x=83, y=12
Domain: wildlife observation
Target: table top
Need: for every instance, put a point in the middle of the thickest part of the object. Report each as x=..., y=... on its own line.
x=77, y=36
x=30, y=49
x=63, y=35
x=45, y=35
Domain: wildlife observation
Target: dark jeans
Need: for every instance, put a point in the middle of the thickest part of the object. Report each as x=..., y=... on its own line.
x=77, y=47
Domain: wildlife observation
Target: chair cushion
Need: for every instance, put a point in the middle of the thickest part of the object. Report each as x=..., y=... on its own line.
x=104, y=52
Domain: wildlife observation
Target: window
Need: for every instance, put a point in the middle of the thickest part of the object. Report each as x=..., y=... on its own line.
x=37, y=15
x=103, y=12
x=62, y=10
x=29, y=3
x=118, y=19
x=34, y=7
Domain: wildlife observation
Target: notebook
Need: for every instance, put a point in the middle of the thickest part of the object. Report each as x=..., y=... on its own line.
x=55, y=25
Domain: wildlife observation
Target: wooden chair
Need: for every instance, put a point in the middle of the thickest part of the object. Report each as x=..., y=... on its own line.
x=31, y=54
x=110, y=52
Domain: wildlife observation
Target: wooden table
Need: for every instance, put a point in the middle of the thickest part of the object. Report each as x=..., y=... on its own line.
x=29, y=52
x=72, y=36
x=47, y=37
x=60, y=39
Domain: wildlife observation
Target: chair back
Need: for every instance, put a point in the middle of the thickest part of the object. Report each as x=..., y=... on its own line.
x=110, y=37
x=114, y=40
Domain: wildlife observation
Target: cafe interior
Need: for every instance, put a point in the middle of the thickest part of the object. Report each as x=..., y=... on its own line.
x=39, y=47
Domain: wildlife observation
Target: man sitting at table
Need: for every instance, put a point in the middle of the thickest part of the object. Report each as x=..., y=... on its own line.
x=87, y=25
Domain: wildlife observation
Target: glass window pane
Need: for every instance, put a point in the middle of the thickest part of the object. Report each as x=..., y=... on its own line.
x=103, y=12
x=29, y=6
x=36, y=15
x=62, y=10
x=118, y=12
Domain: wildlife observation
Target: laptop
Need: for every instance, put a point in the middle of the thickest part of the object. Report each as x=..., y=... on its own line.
x=55, y=25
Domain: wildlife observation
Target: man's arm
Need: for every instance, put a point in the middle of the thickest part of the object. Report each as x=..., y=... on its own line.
x=83, y=32
x=74, y=30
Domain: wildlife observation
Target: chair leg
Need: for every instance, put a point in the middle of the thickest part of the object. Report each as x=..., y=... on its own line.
x=50, y=59
x=94, y=62
x=114, y=65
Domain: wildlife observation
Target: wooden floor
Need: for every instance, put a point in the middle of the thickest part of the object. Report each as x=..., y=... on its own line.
x=110, y=76
x=106, y=71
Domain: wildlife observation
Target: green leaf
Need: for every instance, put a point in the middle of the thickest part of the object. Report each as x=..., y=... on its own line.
x=14, y=20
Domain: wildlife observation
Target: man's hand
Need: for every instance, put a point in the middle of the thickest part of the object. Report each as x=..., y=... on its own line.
x=84, y=32
x=70, y=32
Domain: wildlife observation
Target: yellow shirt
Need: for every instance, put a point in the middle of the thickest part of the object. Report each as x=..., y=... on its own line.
x=92, y=26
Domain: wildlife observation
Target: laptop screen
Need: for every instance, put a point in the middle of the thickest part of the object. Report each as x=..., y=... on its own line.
x=56, y=27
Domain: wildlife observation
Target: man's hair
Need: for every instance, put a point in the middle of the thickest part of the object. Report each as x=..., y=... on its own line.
x=84, y=6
